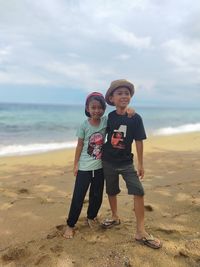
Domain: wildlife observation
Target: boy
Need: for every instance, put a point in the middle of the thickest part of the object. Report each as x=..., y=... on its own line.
x=118, y=159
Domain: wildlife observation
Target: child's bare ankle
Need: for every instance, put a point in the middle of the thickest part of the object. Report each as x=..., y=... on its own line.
x=69, y=232
x=92, y=223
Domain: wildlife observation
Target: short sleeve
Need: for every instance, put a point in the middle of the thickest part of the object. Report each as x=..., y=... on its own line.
x=140, y=131
x=81, y=132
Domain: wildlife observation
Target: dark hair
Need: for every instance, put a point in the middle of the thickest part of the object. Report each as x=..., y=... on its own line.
x=98, y=98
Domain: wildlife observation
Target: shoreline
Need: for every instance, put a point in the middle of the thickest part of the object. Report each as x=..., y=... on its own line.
x=150, y=137
x=36, y=193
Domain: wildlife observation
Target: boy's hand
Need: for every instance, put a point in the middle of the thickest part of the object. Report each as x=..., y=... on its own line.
x=140, y=172
x=130, y=112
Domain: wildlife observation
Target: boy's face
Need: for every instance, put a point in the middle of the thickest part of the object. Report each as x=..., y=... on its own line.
x=121, y=97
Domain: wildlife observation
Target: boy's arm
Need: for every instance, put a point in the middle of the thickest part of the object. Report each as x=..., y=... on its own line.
x=78, y=151
x=139, y=150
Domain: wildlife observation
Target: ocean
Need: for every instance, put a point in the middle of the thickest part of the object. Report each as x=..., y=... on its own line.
x=36, y=128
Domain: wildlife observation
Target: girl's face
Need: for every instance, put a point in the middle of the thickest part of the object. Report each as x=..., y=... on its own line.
x=95, y=109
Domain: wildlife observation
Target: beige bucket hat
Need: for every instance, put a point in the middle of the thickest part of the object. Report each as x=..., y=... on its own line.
x=117, y=84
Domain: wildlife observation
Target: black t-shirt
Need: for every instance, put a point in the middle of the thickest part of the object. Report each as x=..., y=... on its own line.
x=121, y=131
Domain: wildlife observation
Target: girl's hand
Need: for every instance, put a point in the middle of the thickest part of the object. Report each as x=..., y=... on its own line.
x=75, y=170
x=130, y=112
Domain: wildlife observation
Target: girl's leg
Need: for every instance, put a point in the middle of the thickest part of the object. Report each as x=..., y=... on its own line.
x=69, y=233
x=80, y=190
x=96, y=194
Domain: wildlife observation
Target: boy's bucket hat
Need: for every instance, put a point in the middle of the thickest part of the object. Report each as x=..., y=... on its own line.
x=117, y=84
x=99, y=97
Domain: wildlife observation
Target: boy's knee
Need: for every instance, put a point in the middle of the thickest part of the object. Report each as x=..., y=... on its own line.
x=139, y=197
x=112, y=193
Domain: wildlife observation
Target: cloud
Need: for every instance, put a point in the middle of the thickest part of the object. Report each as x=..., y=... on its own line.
x=86, y=44
x=185, y=56
x=129, y=38
x=78, y=75
x=5, y=53
x=21, y=77
x=123, y=57
x=71, y=71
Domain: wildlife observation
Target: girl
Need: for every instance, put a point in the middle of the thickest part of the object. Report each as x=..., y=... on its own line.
x=87, y=163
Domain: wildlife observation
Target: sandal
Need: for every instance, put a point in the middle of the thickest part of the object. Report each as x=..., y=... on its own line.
x=109, y=223
x=150, y=241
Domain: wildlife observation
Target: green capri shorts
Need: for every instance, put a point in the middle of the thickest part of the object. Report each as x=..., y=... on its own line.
x=129, y=174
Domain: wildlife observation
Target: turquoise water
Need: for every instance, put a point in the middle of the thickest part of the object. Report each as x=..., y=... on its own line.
x=30, y=128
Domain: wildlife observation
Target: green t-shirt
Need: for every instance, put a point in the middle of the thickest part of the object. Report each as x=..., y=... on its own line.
x=93, y=137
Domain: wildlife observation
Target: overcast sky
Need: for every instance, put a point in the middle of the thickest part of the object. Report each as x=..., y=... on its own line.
x=56, y=51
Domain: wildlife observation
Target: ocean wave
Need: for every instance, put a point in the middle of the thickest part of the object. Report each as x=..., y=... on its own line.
x=186, y=128
x=13, y=150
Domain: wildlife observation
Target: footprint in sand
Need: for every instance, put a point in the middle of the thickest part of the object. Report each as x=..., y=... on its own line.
x=148, y=208
x=191, y=250
x=44, y=260
x=167, y=231
x=46, y=201
x=42, y=247
x=15, y=254
x=181, y=255
x=94, y=238
x=57, y=249
x=52, y=235
x=65, y=262
x=23, y=191
x=60, y=230
x=60, y=227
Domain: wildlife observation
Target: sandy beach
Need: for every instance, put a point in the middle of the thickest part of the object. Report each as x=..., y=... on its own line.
x=35, y=195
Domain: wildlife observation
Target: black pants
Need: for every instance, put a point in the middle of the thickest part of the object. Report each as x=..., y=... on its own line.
x=84, y=179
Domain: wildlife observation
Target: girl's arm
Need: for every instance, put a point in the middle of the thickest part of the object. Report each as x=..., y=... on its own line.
x=78, y=151
x=139, y=149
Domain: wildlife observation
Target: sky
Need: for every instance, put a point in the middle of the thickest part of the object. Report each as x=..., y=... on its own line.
x=58, y=51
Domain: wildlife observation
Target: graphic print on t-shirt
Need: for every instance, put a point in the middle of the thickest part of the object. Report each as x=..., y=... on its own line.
x=95, y=145
x=117, y=139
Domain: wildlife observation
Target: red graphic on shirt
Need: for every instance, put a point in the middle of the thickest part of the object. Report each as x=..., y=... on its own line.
x=117, y=139
x=95, y=145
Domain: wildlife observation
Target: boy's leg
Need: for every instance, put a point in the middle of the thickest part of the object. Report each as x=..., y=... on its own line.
x=80, y=190
x=113, y=206
x=139, y=214
x=135, y=188
x=95, y=194
x=141, y=235
x=112, y=186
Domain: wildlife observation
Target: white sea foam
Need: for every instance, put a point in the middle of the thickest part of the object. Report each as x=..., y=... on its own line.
x=13, y=150
x=186, y=128
x=21, y=149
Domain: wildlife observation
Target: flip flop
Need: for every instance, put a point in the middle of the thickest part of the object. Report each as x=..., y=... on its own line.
x=109, y=223
x=149, y=241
